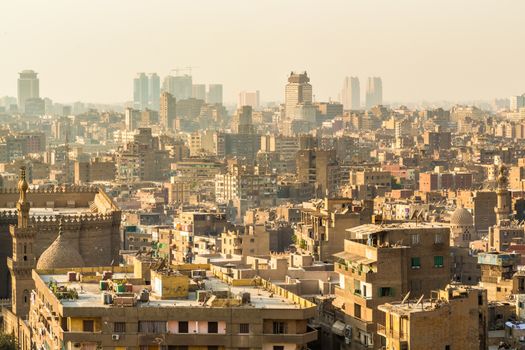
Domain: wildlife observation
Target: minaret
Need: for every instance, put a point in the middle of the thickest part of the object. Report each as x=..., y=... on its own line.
x=23, y=260
x=66, y=160
x=23, y=205
x=502, y=209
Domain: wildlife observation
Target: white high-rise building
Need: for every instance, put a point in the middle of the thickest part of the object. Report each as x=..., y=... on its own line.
x=350, y=94
x=179, y=86
x=28, y=87
x=297, y=91
x=154, y=91
x=140, y=91
x=517, y=102
x=146, y=91
x=198, y=91
x=214, y=94
x=249, y=98
x=374, y=92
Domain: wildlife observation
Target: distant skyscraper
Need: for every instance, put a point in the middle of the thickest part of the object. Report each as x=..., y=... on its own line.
x=214, y=94
x=350, y=94
x=140, y=91
x=167, y=112
x=154, y=91
x=146, y=91
x=249, y=98
x=297, y=91
x=517, y=102
x=242, y=120
x=179, y=86
x=198, y=91
x=28, y=87
x=131, y=118
x=374, y=92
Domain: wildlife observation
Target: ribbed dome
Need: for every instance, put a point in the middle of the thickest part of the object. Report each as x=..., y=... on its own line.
x=60, y=254
x=461, y=217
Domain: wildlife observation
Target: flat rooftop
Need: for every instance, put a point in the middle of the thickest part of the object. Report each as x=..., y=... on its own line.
x=90, y=295
x=411, y=306
x=370, y=229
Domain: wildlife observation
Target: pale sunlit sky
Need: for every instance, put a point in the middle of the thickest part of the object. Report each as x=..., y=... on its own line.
x=90, y=50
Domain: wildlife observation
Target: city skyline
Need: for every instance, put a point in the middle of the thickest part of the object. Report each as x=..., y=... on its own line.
x=435, y=64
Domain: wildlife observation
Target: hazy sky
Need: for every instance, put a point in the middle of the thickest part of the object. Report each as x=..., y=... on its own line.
x=90, y=50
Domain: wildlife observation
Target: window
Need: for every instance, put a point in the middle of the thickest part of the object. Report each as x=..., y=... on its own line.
x=213, y=327
x=158, y=327
x=279, y=327
x=438, y=261
x=244, y=328
x=438, y=238
x=278, y=347
x=415, y=239
x=119, y=327
x=357, y=310
x=183, y=326
x=415, y=262
x=386, y=292
x=88, y=325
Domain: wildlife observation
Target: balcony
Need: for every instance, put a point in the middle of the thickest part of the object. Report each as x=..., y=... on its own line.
x=303, y=338
x=357, y=292
x=79, y=337
x=390, y=333
x=197, y=339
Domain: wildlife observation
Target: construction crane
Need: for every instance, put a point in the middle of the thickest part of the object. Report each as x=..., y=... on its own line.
x=188, y=69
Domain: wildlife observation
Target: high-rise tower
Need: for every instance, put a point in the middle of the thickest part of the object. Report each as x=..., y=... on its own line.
x=153, y=91
x=167, y=112
x=28, y=87
x=374, y=92
x=140, y=91
x=214, y=94
x=297, y=91
x=350, y=94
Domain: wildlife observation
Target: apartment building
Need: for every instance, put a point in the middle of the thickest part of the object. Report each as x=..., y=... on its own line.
x=380, y=264
x=453, y=318
x=255, y=240
x=96, y=309
x=322, y=228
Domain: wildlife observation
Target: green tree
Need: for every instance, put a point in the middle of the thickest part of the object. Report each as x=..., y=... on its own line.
x=7, y=342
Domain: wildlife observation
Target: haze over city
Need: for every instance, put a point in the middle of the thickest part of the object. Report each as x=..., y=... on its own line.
x=87, y=50
x=262, y=175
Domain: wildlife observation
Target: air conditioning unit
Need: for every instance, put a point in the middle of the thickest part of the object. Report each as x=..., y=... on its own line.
x=115, y=337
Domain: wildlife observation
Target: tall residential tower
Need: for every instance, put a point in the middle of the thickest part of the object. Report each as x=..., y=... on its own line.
x=374, y=92
x=350, y=94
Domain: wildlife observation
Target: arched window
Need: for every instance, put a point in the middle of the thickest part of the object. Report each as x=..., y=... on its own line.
x=26, y=296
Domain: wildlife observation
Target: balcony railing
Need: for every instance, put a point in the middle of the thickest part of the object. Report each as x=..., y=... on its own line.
x=390, y=333
x=302, y=338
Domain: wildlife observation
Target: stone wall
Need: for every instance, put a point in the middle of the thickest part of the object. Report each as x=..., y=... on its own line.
x=96, y=235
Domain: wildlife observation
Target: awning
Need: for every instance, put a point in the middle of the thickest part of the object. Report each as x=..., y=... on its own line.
x=338, y=328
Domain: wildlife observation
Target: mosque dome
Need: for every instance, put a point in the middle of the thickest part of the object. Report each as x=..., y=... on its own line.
x=60, y=254
x=461, y=217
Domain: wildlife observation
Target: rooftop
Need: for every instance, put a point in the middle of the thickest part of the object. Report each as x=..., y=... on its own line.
x=370, y=229
x=90, y=295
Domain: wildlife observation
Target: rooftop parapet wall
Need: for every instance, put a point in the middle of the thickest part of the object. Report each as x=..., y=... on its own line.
x=61, y=196
x=53, y=220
